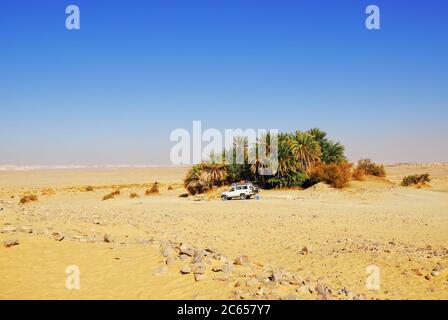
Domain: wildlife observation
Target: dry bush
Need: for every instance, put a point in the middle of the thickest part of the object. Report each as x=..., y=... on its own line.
x=134, y=195
x=153, y=190
x=358, y=174
x=89, y=189
x=48, y=191
x=170, y=188
x=335, y=174
x=28, y=198
x=371, y=168
x=111, y=195
x=416, y=180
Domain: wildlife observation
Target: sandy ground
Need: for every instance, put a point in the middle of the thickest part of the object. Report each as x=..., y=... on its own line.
x=300, y=244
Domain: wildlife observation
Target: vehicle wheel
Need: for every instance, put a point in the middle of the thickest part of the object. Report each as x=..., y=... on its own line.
x=242, y=196
x=224, y=198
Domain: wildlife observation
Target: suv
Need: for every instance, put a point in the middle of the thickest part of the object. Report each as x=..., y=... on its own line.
x=240, y=190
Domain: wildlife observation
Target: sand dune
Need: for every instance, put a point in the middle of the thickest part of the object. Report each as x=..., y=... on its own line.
x=304, y=244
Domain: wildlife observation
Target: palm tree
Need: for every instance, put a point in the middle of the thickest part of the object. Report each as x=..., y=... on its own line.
x=287, y=163
x=213, y=174
x=306, y=149
x=333, y=152
x=319, y=135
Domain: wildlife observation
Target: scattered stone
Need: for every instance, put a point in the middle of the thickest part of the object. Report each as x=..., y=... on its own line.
x=242, y=260
x=323, y=290
x=252, y=283
x=435, y=273
x=58, y=236
x=107, y=238
x=8, y=229
x=197, y=257
x=198, y=268
x=306, y=250
x=304, y=289
x=183, y=256
x=200, y=277
x=167, y=251
x=262, y=277
x=187, y=249
x=217, y=269
x=10, y=243
x=276, y=276
x=185, y=270
x=26, y=230
x=221, y=277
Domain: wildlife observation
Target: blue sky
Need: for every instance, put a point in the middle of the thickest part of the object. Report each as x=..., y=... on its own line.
x=111, y=92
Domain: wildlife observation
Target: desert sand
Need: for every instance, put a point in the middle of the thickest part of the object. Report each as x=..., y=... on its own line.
x=297, y=244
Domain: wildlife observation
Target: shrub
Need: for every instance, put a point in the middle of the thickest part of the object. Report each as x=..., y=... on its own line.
x=112, y=195
x=89, y=189
x=371, y=168
x=153, y=190
x=170, y=188
x=28, y=198
x=108, y=196
x=358, y=174
x=335, y=174
x=134, y=195
x=194, y=182
x=417, y=179
x=292, y=180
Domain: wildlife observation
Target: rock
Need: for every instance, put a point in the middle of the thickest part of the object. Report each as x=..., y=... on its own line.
x=242, y=260
x=303, y=289
x=200, y=277
x=170, y=260
x=435, y=273
x=221, y=277
x=183, y=256
x=217, y=269
x=276, y=276
x=198, y=268
x=322, y=289
x=167, y=251
x=26, y=230
x=8, y=229
x=306, y=250
x=187, y=249
x=107, y=238
x=185, y=270
x=252, y=283
x=96, y=221
x=58, y=236
x=10, y=243
x=197, y=257
x=262, y=277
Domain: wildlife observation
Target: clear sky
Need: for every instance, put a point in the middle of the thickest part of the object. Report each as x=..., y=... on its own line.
x=111, y=92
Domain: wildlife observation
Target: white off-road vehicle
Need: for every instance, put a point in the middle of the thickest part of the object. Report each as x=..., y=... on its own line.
x=240, y=190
